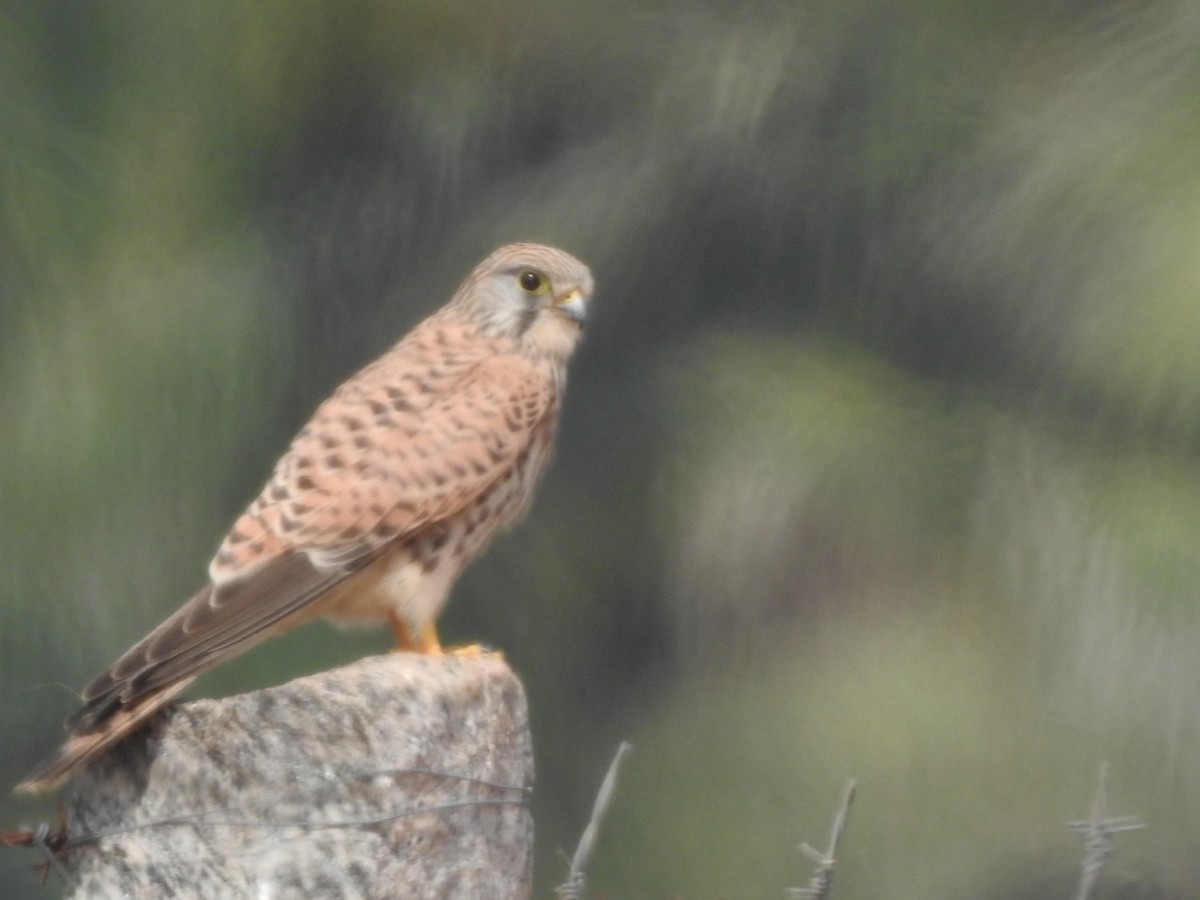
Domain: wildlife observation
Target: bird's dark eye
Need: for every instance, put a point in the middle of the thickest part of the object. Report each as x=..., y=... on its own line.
x=530, y=281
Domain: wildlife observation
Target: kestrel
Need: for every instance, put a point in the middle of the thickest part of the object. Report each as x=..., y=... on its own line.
x=400, y=479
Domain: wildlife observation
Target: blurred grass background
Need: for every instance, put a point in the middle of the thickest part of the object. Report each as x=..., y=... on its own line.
x=880, y=459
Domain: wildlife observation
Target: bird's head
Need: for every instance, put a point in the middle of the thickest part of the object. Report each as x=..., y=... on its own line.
x=534, y=294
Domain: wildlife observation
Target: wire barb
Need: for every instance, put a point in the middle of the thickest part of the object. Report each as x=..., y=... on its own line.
x=1097, y=834
x=821, y=882
x=576, y=883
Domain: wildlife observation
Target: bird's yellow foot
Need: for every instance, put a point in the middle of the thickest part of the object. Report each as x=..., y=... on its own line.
x=427, y=643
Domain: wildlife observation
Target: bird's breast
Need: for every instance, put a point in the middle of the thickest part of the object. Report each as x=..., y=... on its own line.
x=412, y=575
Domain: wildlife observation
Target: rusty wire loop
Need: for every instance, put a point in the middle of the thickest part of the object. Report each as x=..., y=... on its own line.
x=48, y=847
x=46, y=842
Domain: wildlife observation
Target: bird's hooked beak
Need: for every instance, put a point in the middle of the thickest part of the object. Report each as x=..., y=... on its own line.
x=573, y=306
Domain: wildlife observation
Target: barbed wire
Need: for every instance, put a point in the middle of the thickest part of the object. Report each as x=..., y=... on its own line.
x=52, y=843
x=821, y=882
x=576, y=883
x=1097, y=834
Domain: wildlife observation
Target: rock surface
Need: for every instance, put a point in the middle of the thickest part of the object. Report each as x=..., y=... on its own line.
x=397, y=776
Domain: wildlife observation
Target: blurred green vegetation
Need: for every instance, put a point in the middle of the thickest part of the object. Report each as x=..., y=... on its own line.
x=880, y=459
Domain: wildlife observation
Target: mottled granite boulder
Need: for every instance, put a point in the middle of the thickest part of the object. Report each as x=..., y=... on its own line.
x=397, y=776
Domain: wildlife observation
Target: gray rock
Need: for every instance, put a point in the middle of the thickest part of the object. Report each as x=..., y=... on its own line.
x=397, y=776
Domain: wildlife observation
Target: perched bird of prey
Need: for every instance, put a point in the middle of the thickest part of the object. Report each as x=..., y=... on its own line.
x=397, y=482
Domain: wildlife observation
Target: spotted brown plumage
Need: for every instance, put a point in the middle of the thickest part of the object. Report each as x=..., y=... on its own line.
x=398, y=480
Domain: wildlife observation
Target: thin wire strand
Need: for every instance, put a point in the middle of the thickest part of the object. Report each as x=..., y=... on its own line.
x=200, y=819
x=196, y=820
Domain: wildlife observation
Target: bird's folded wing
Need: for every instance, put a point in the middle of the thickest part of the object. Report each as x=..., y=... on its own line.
x=414, y=469
x=215, y=624
x=381, y=464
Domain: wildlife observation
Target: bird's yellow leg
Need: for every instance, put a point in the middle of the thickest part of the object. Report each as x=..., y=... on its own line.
x=404, y=639
x=429, y=641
